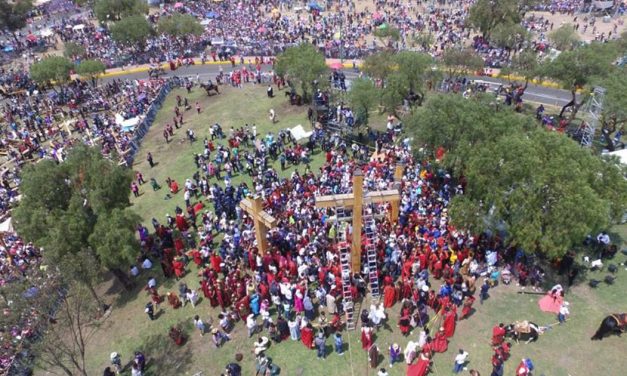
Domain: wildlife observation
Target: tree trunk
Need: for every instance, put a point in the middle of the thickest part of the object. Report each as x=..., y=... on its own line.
x=572, y=103
x=94, y=295
x=123, y=278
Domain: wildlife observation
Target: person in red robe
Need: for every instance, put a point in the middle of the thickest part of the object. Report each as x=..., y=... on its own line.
x=449, y=323
x=498, y=334
x=440, y=342
x=504, y=350
x=366, y=337
x=196, y=257
x=179, y=268
x=404, y=323
x=523, y=368
x=307, y=336
x=467, y=308
x=181, y=223
x=421, y=368
x=389, y=296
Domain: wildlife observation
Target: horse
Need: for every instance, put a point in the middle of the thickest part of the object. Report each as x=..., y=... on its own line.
x=526, y=331
x=209, y=87
x=614, y=323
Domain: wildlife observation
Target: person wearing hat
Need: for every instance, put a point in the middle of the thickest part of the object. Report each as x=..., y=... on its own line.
x=116, y=362
x=563, y=313
x=150, y=311
x=218, y=338
x=395, y=354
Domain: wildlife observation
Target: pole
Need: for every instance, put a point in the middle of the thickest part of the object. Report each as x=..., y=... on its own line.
x=358, y=195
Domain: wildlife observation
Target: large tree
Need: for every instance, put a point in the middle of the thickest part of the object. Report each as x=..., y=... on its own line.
x=51, y=68
x=379, y=65
x=486, y=15
x=302, y=65
x=578, y=68
x=459, y=63
x=564, y=38
x=179, y=25
x=362, y=97
x=13, y=14
x=91, y=69
x=115, y=10
x=539, y=187
x=71, y=208
x=132, y=30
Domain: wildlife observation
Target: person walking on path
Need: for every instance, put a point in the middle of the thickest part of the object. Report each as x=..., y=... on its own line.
x=200, y=325
x=321, y=344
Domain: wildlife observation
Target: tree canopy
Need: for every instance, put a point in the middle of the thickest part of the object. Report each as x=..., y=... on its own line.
x=564, y=38
x=71, y=209
x=362, y=98
x=131, y=30
x=302, y=65
x=179, y=25
x=13, y=15
x=461, y=62
x=541, y=188
x=90, y=68
x=52, y=68
x=73, y=50
x=115, y=10
x=487, y=15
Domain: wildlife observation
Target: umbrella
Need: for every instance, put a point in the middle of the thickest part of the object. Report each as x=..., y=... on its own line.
x=178, y=5
x=336, y=65
x=377, y=16
x=31, y=38
x=383, y=26
x=211, y=15
x=261, y=30
x=31, y=292
x=8, y=49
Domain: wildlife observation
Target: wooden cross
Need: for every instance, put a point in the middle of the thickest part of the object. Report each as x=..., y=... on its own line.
x=261, y=220
x=356, y=201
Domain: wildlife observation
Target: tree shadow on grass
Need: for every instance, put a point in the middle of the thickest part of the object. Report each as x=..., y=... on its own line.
x=164, y=357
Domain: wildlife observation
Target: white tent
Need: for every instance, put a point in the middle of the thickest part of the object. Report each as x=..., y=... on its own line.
x=601, y=5
x=6, y=226
x=46, y=33
x=621, y=154
x=78, y=27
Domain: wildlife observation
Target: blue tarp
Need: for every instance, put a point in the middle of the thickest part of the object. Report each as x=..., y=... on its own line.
x=211, y=15
x=314, y=6
x=8, y=49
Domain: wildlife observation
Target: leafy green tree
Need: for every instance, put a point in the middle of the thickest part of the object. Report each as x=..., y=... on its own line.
x=413, y=68
x=578, y=68
x=525, y=64
x=379, y=65
x=131, y=30
x=302, y=65
x=564, y=37
x=64, y=207
x=52, y=68
x=13, y=15
x=388, y=35
x=73, y=50
x=115, y=10
x=509, y=37
x=362, y=97
x=614, y=115
x=459, y=63
x=91, y=69
x=541, y=188
x=180, y=25
x=423, y=39
x=486, y=15
x=394, y=92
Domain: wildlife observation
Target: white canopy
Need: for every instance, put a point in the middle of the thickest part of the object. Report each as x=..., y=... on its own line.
x=46, y=33
x=6, y=226
x=621, y=154
x=78, y=27
x=603, y=4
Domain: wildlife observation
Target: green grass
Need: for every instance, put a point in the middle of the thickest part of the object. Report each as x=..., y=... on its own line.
x=564, y=350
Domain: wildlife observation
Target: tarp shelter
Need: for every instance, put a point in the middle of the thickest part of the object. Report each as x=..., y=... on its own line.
x=8, y=48
x=78, y=27
x=178, y=5
x=127, y=125
x=6, y=226
x=211, y=15
x=601, y=5
x=46, y=33
x=621, y=154
x=299, y=132
x=31, y=38
x=205, y=22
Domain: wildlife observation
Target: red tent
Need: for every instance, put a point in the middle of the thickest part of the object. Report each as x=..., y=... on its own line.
x=31, y=38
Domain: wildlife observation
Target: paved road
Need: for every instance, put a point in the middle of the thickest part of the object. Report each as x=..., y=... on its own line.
x=534, y=93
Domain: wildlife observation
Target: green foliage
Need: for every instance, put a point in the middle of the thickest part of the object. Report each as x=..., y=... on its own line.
x=577, y=68
x=509, y=36
x=302, y=65
x=564, y=38
x=90, y=68
x=52, y=68
x=115, y=10
x=486, y=15
x=541, y=188
x=461, y=62
x=64, y=205
x=378, y=65
x=131, y=30
x=73, y=50
x=615, y=103
x=387, y=34
x=362, y=97
x=179, y=25
x=13, y=14
x=526, y=64
x=412, y=67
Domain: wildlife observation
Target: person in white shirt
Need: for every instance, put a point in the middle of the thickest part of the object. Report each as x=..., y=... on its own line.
x=460, y=360
x=251, y=325
x=134, y=271
x=563, y=313
x=147, y=264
